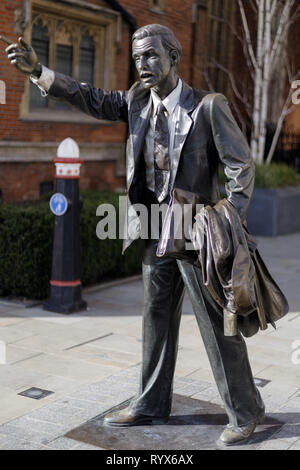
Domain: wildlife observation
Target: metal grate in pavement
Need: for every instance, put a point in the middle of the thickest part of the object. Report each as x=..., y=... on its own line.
x=35, y=393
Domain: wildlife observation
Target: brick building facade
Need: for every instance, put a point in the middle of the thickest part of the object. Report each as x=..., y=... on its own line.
x=90, y=39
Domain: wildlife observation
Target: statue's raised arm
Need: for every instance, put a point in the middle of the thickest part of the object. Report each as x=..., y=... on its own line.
x=108, y=105
x=22, y=56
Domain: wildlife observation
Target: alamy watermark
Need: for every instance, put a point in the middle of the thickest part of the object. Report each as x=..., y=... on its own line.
x=296, y=94
x=2, y=92
x=296, y=354
x=2, y=352
x=139, y=221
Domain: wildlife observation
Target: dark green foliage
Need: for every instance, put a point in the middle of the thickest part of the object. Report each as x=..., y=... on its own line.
x=25, y=249
x=103, y=257
x=26, y=235
x=275, y=175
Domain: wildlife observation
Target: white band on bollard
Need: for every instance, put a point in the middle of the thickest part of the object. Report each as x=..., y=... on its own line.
x=68, y=161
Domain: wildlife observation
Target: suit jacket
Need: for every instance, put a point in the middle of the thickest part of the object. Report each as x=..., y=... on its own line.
x=233, y=270
x=206, y=134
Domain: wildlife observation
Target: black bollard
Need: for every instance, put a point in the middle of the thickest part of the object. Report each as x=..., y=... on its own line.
x=65, y=284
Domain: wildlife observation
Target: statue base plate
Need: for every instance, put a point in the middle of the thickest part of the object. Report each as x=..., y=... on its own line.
x=193, y=425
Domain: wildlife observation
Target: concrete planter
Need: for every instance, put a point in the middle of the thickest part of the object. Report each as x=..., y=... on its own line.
x=274, y=212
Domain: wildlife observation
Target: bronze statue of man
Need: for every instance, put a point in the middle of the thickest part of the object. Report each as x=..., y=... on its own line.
x=177, y=138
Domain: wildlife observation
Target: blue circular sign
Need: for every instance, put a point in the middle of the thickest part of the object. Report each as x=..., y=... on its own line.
x=58, y=204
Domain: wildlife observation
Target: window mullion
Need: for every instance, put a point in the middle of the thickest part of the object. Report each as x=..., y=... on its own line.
x=52, y=46
x=76, y=39
x=99, y=59
x=52, y=51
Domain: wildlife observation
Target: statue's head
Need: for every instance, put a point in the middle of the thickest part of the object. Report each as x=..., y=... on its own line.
x=156, y=53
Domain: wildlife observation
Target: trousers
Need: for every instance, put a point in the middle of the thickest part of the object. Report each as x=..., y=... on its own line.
x=165, y=281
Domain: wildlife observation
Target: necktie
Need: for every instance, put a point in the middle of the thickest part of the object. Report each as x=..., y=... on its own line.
x=161, y=154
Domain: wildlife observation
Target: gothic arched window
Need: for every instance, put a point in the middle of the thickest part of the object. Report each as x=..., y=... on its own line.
x=76, y=41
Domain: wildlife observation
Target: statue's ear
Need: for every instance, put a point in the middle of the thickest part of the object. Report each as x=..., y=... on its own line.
x=174, y=57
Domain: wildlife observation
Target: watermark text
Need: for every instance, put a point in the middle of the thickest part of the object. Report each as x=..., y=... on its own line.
x=2, y=352
x=140, y=221
x=296, y=94
x=2, y=92
x=296, y=353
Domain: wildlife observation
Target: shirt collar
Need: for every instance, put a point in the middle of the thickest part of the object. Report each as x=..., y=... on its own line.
x=170, y=101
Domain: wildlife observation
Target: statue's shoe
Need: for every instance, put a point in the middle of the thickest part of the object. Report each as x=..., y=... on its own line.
x=233, y=435
x=127, y=417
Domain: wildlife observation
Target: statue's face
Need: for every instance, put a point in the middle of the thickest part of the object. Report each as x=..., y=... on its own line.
x=152, y=61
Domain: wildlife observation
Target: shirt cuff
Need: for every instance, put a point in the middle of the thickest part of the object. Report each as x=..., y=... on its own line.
x=45, y=80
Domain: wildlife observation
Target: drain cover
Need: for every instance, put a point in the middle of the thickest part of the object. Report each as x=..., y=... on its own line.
x=35, y=393
x=261, y=382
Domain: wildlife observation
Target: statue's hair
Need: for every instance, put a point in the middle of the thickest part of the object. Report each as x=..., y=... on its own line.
x=168, y=38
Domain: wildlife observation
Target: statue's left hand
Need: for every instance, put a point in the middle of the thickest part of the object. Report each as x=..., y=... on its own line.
x=22, y=56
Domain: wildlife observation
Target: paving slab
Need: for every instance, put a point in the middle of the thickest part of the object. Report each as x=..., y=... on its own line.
x=101, y=356
x=14, y=406
x=296, y=445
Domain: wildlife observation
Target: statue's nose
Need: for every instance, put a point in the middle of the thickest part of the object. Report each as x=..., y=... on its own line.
x=143, y=63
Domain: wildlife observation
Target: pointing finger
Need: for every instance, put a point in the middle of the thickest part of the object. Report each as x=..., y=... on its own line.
x=6, y=40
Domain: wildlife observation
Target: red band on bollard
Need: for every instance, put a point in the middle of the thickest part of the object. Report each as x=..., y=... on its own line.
x=65, y=283
x=67, y=160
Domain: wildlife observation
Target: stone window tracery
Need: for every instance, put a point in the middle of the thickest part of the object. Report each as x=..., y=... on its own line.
x=80, y=42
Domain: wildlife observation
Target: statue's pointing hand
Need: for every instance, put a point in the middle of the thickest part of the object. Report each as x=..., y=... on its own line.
x=22, y=56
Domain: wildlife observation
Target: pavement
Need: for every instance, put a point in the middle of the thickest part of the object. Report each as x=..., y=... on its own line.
x=90, y=361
